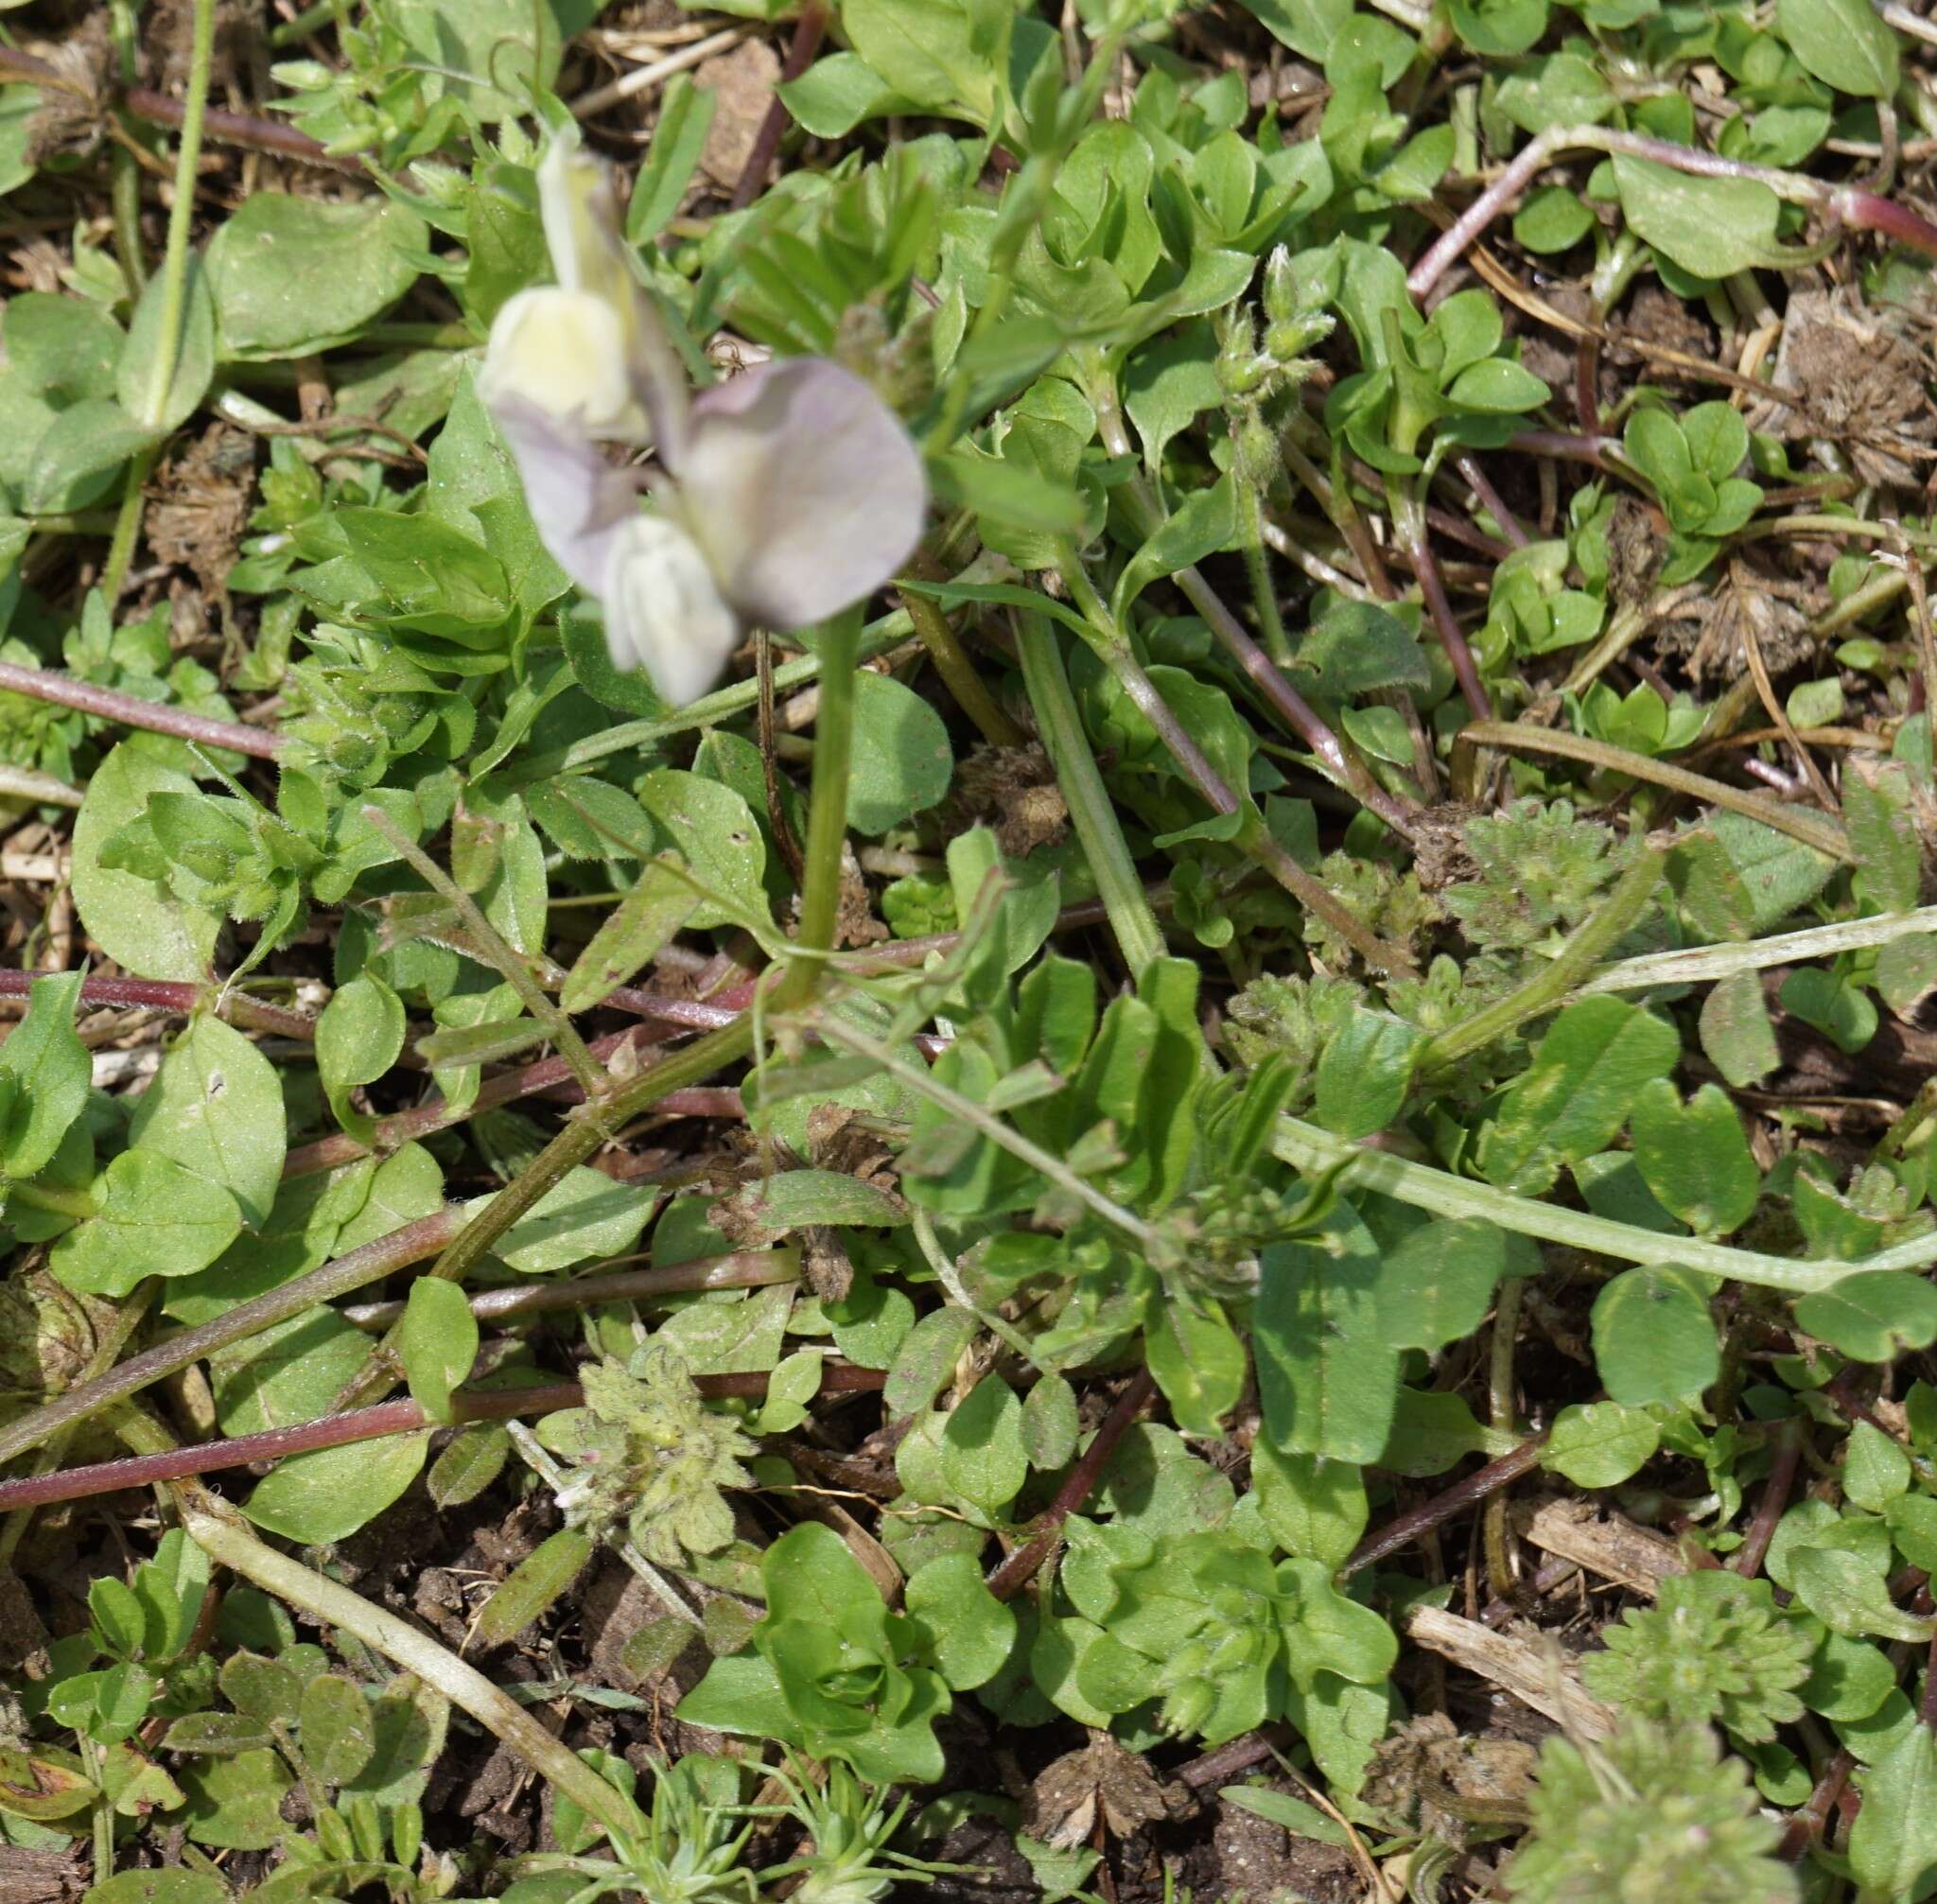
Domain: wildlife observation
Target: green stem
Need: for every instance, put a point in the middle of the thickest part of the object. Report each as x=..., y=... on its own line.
x=517, y=968
x=127, y=526
x=1139, y=937
x=709, y=711
x=181, y=218
x=827, y=833
x=1697, y=965
x=1307, y=1147
x=1591, y=942
x=1250, y=528
x=837, y=1031
x=827, y=819
x=958, y=673
x=1824, y=835
x=1112, y=647
x=221, y=1534
x=579, y=1139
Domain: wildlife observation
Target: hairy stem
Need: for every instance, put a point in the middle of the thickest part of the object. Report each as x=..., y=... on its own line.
x=1315, y=1151
x=225, y=1537
x=1589, y=944
x=131, y=711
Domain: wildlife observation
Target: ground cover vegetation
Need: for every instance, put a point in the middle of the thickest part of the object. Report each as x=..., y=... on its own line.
x=972, y=952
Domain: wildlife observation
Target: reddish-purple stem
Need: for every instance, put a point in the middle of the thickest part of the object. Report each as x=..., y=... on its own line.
x=413, y=1243
x=237, y=129
x=1426, y=571
x=1289, y=705
x=1848, y=205
x=544, y=1075
x=1405, y=1528
x=154, y=994
x=229, y=129
x=1776, y=1499
x=1007, y=1579
x=1488, y=498
x=1806, y=1827
x=361, y=1424
x=805, y=43
x=131, y=711
x=1569, y=446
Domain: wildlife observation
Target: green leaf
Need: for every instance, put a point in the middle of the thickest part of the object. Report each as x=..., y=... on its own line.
x=1653, y=1338
x=714, y=832
x=138, y=923
x=192, y=352
x=982, y=1446
x=1599, y=1444
x=1364, y=1073
x=1356, y=647
x=1049, y=1422
x=337, y=1729
x=1198, y=1362
x=1200, y=527
x=794, y=1200
x=176, y=1885
x=327, y=1495
x=1293, y=1814
x=1875, y=1470
x=430, y=576
x=902, y=761
x=926, y=1359
x=1711, y=228
x=1575, y=1096
x=1736, y=1035
x=1850, y=1596
x=50, y=1074
x=235, y=1803
x=1328, y=1375
x=838, y=94
x=152, y=1218
x=291, y=277
x=970, y=1633
x=437, y=1342
x=1877, y=816
x=1315, y=1509
x=216, y=1107
x=65, y=348
x=1438, y=1283
x=1841, y=42
x=630, y=935
x=1875, y=1316
x=359, y=1034
x=585, y=1215
x=686, y=113
x=77, y=456
x=1694, y=1157
x=1892, y=1845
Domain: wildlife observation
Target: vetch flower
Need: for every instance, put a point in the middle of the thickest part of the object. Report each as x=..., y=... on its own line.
x=780, y=497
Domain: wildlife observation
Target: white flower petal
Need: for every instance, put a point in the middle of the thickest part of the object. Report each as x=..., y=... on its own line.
x=663, y=611
x=578, y=502
x=564, y=353
x=582, y=232
x=804, y=488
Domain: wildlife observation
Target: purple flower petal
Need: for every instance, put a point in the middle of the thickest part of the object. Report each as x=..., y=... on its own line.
x=578, y=502
x=803, y=488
